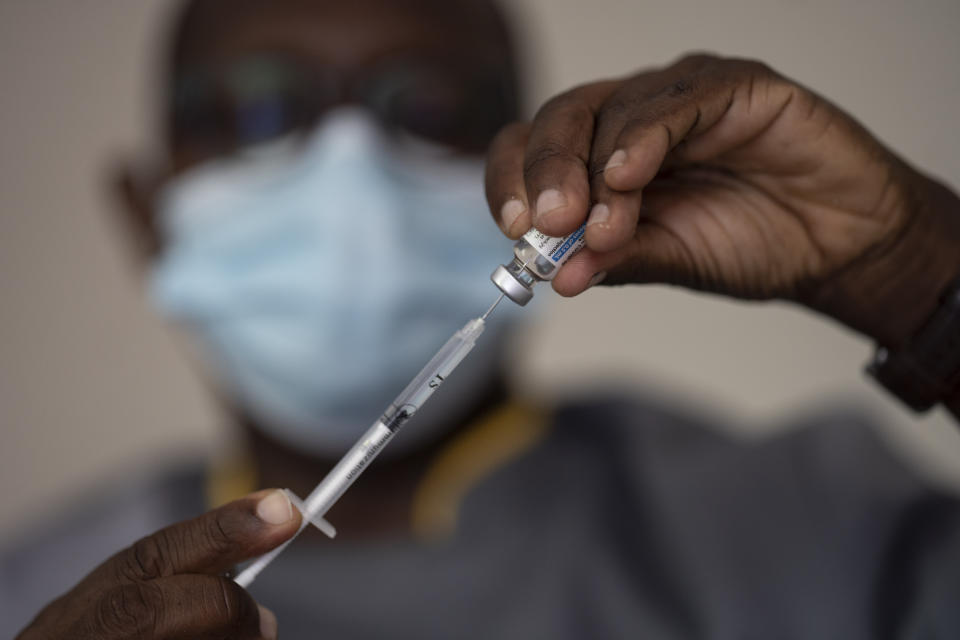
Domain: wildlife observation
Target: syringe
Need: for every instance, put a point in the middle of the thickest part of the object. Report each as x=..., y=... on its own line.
x=537, y=257
x=372, y=442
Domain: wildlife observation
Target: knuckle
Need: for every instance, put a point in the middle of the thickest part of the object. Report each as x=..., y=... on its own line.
x=567, y=110
x=700, y=71
x=626, y=109
x=544, y=155
x=128, y=609
x=690, y=86
x=751, y=67
x=214, y=536
x=147, y=558
x=620, y=106
x=630, y=114
x=229, y=604
x=681, y=88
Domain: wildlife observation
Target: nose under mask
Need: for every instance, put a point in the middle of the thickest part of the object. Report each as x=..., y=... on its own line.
x=316, y=277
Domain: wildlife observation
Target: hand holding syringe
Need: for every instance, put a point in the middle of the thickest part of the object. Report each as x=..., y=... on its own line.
x=515, y=281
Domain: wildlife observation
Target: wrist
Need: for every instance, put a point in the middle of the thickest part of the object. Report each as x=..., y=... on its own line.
x=926, y=370
x=953, y=404
x=890, y=294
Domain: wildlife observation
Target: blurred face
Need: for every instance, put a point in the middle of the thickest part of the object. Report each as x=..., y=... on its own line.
x=244, y=72
x=312, y=248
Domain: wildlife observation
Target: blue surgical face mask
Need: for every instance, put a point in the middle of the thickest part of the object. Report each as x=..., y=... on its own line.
x=316, y=277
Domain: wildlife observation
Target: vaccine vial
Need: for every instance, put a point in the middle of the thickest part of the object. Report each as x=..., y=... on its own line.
x=536, y=257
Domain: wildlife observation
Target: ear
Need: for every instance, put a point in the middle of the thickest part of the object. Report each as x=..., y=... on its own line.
x=134, y=191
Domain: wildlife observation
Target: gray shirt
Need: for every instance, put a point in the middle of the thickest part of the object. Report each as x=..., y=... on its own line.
x=626, y=521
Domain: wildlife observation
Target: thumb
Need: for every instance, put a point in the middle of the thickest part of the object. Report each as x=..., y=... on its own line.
x=213, y=542
x=654, y=254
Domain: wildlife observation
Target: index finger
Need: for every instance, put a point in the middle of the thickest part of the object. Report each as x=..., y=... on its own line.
x=211, y=543
x=555, y=173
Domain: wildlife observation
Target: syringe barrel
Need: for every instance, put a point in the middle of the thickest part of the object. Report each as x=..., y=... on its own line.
x=351, y=465
x=536, y=257
x=330, y=489
x=432, y=375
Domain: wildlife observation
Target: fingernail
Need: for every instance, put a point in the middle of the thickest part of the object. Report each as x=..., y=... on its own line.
x=510, y=211
x=268, y=623
x=599, y=214
x=597, y=279
x=617, y=159
x=275, y=508
x=549, y=200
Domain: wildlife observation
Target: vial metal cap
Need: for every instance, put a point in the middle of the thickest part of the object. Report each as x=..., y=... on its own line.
x=511, y=287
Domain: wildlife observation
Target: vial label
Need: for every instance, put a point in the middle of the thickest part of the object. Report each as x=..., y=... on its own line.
x=556, y=250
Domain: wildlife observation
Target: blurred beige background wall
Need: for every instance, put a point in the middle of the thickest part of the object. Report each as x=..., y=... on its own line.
x=92, y=387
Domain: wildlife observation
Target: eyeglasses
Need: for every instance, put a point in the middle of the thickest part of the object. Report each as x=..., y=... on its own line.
x=255, y=99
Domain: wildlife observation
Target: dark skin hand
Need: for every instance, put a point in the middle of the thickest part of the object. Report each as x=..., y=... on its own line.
x=140, y=593
x=723, y=176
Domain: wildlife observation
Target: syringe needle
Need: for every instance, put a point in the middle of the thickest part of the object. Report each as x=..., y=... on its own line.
x=492, y=307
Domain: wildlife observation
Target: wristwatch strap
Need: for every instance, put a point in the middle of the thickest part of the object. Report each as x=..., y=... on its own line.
x=926, y=370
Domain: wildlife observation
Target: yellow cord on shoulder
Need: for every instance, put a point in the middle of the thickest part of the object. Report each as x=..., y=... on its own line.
x=482, y=447
x=230, y=479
